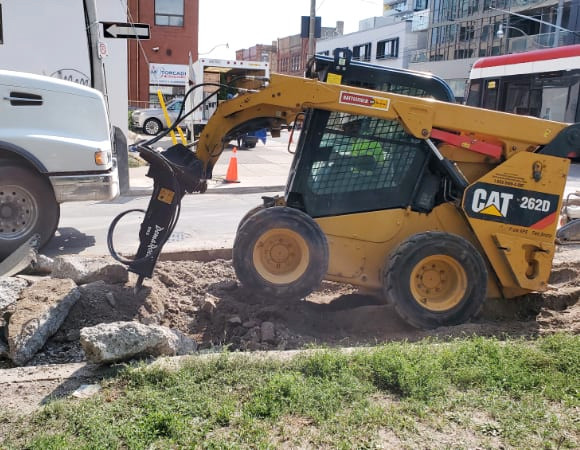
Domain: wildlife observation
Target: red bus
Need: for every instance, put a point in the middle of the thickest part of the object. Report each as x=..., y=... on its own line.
x=539, y=83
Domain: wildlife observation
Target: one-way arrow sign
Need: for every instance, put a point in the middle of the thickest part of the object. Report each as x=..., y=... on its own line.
x=125, y=30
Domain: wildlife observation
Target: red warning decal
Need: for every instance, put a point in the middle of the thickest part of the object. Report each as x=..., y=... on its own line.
x=367, y=101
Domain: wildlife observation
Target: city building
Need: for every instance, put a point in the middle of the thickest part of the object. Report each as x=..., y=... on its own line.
x=293, y=50
x=461, y=31
x=160, y=63
x=260, y=52
x=388, y=40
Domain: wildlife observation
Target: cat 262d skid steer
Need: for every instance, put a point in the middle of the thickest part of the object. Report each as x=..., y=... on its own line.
x=435, y=206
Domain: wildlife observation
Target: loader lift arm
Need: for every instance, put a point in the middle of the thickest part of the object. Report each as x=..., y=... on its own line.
x=286, y=96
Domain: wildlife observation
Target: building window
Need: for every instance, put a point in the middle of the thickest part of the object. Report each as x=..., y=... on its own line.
x=466, y=33
x=169, y=13
x=421, y=5
x=295, y=62
x=399, y=6
x=362, y=52
x=463, y=53
x=388, y=48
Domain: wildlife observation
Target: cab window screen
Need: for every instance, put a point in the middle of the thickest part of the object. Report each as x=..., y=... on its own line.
x=361, y=164
x=1, y=27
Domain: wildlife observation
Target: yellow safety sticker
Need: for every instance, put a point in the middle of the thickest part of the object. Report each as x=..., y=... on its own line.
x=166, y=196
x=334, y=78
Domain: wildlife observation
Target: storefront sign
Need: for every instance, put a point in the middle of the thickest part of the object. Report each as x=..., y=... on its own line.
x=168, y=74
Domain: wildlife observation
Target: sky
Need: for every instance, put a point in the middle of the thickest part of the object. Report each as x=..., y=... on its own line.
x=245, y=23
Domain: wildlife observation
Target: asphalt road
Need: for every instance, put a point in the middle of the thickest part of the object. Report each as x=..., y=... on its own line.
x=207, y=221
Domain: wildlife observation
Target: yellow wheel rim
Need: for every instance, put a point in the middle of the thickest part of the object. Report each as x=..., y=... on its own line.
x=438, y=283
x=281, y=256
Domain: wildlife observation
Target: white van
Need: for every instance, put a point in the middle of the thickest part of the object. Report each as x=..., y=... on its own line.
x=55, y=146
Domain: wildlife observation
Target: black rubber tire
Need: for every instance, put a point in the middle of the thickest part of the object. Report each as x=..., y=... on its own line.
x=249, y=214
x=294, y=222
x=44, y=215
x=397, y=279
x=154, y=129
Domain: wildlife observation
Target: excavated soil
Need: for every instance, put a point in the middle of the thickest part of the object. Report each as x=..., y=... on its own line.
x=205, y=301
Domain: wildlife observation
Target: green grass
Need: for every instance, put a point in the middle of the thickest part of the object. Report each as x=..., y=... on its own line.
x=474, y=392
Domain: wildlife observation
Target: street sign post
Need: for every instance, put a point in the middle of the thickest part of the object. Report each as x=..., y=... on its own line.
x=118, y=30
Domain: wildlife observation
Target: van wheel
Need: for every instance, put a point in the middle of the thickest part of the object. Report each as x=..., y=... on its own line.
x=27, y=207
x=152, y=127
x=436, y=279
x=280, y=252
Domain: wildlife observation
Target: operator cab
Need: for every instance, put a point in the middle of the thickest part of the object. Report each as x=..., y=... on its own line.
x=347, y=164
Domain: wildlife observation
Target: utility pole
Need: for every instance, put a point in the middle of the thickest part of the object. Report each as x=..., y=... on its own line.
x=311, y=30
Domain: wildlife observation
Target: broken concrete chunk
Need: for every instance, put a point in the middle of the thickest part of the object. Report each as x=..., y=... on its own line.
x=42, y=309
x=42, y=265
x=209, y=304
x=167, y=280
x=111, y=299
x=235, y=320
x=10, y=290
x=85, y=270
x=86, y=391
x=120, y=341
x=250, y=324
x=268, y=334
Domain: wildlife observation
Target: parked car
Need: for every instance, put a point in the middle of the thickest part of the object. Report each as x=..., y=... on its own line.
x=249, y=140
x=151, y=120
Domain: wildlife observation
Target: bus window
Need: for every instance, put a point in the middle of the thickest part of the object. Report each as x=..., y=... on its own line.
x=490, y=94
x=535, y=102
x=554, y=102
x=517, y=99
x=474, y=96
x=572, y=111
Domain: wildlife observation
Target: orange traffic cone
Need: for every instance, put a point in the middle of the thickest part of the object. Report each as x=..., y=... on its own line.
x=232, y=174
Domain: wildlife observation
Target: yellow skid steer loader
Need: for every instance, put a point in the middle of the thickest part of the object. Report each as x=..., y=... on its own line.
x=433, y=205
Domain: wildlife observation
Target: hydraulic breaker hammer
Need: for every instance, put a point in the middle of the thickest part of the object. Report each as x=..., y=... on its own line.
x=175, y=171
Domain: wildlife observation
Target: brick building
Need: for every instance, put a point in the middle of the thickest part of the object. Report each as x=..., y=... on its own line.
x=293, y=50
x=161, y=62
x=287, y=55
x=260, y=52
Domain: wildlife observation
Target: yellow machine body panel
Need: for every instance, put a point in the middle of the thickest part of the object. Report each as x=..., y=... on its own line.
x=514, y=210
x=360, y=244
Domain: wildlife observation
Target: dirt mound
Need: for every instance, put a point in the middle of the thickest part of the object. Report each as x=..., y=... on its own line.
x=205, y=301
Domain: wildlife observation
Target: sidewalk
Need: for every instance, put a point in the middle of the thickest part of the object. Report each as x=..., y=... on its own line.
x=262, y=169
